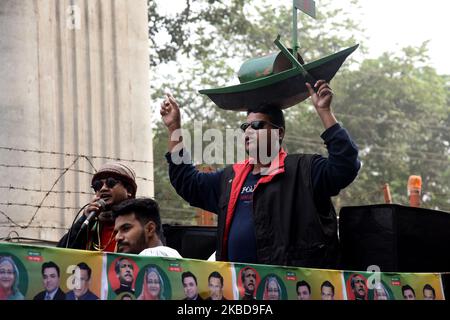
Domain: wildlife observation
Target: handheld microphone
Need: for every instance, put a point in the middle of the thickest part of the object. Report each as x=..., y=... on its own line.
x=92, y=214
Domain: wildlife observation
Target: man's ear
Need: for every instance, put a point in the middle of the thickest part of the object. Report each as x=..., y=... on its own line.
x=129, y=191
x=150, y=228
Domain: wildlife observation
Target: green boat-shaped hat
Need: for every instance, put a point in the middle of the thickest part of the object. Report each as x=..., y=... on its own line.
x=277, y=79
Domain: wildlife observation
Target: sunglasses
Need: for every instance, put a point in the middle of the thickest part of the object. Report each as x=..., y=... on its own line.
x=257, y=125
x=110, y=183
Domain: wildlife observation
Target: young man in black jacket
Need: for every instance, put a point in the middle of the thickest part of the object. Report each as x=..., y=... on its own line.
x=277, y=211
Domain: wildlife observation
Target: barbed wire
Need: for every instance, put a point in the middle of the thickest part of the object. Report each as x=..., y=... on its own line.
x=34, y=227
x=187, y=212
x=17, y=204
x=40, y=205
x=58, y=169
x=15, y=224
x=51, y=189
x=90, y=162
x=19, y=239
x=10, y=187
x=42, y=168
x=36, y=206
x=144, y=179
x=67, y=154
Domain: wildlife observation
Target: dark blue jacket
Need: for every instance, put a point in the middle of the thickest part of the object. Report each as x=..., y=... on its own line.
x=89, y=295
x=295, y=222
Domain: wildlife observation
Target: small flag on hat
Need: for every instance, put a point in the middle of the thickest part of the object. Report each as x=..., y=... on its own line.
x=307, y=6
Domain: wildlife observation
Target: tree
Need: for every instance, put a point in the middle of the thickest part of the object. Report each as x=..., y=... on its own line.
x=395, y=107
x=237, y=30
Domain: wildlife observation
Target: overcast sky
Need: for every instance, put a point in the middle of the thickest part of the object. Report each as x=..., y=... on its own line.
x=393, y=24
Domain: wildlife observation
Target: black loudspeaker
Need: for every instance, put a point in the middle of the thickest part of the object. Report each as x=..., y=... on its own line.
x=395, y=238
x=192, y=242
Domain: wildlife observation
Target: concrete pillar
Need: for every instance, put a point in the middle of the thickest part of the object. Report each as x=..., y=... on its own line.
x=73, y=94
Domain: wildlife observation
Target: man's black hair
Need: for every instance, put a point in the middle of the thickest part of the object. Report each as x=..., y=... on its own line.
x=84, y=266
x=188, y=274
x=217, y=275
x=327, y=284
x=275, y=113
x=145, y=210
x=304, y=284
x=49, y=264
x=408, y=287
x=429, y=287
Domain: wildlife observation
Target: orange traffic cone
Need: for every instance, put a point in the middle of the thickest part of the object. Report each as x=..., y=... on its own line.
x=414, y=190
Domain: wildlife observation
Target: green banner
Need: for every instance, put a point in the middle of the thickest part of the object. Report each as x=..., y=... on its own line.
x=307, y=6
x=40, y=273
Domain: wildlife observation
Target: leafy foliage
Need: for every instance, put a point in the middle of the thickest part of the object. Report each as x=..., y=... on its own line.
x=395, y=106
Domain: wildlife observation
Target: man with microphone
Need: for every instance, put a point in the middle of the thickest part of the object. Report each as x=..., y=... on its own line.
x=113, y=183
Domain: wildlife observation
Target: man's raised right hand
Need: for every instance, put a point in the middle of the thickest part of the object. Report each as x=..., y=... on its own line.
x=170, y=113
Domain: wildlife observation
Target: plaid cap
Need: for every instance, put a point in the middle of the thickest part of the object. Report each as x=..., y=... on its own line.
x=119, y=170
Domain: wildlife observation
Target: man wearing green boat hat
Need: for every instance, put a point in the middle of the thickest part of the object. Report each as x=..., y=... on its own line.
x=276, y=211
